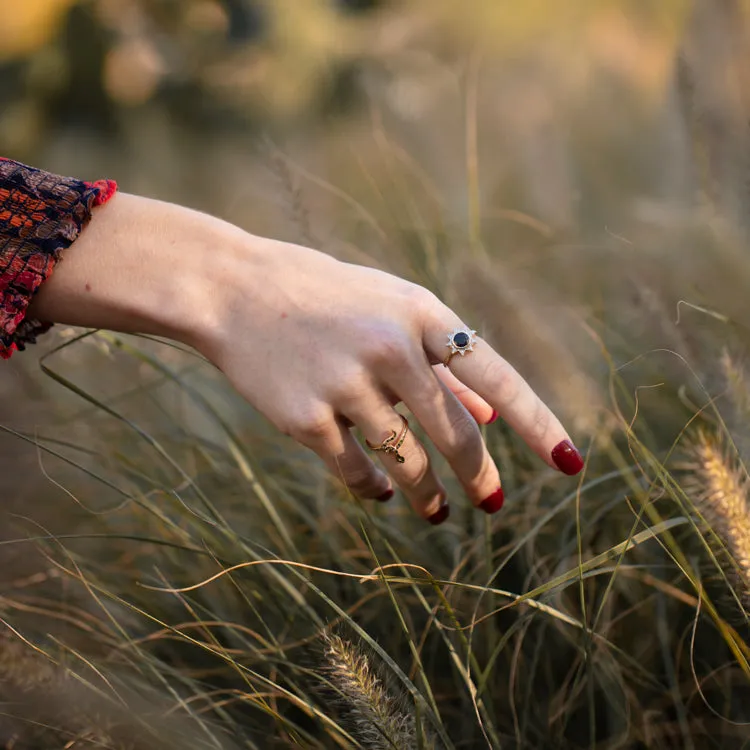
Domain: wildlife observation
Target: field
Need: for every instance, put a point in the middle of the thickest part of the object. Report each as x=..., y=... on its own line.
x=574, y=180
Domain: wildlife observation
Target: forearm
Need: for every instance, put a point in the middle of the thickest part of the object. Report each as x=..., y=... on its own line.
x=315, y=344
x=143, y=266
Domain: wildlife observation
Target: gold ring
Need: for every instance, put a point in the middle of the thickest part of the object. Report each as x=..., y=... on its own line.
x=393, y=442
x=460, y=341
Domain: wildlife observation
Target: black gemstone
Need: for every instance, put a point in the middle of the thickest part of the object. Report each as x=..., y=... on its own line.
x=461, y=340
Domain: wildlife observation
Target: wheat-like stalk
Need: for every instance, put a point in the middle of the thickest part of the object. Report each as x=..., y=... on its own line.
x=718, y=486
x=377, y=721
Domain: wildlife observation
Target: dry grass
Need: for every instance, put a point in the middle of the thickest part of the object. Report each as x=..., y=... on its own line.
x=571, y=192
x=376, y=719
x=718, y=485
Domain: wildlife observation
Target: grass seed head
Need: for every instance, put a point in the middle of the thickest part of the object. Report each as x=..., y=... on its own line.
x=377, y=720
x=718, y=485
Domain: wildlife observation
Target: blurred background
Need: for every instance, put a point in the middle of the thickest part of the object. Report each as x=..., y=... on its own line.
x=573, y=145
x=572, y=177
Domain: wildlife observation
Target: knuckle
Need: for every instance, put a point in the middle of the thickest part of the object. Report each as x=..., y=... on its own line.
x=420, y=298
x=423, y=304
x=390, y=347
x=502, y=381
x=351, y=388
x=541, y=422
x=310, y=427
x=463, y=434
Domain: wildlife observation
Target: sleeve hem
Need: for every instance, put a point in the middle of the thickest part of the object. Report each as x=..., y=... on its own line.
x=105, y=190
x=41, y=215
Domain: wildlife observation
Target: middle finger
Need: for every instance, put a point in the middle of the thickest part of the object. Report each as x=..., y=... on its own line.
x=453, y=431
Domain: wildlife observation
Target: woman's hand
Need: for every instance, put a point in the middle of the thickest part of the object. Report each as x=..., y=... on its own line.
x=317, y=345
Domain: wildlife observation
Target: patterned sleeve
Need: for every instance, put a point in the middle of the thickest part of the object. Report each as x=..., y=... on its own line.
x=41, y=214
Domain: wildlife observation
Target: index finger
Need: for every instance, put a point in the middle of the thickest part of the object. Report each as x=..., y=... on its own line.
x=482, y=369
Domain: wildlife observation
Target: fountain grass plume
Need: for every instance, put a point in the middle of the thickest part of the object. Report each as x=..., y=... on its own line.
x=377, y=720
x=718, y=485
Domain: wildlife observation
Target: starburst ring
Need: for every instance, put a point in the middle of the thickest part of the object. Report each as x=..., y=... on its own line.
x=460, y=341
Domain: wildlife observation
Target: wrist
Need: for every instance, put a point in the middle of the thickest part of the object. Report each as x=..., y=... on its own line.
x=224, y=288
x=143, y=266
x=252, y=286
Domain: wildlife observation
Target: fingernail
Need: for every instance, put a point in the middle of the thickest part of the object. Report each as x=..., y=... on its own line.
x=567, y=458
x=494, y=502
x=386, y=496
x=493, y=417
x=440, y=515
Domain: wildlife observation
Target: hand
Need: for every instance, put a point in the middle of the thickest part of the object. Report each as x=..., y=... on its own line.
x=317, y=345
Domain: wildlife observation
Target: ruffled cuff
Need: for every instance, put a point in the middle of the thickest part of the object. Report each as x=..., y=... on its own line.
x=41, y=214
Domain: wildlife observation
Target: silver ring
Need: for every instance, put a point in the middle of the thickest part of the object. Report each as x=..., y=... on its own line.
x=460, y=341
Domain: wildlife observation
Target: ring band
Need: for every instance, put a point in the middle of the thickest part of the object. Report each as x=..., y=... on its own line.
x=387, y=446
x=460, y=341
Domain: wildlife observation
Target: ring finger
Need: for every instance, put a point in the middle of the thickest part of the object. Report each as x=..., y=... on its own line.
x=378, y=422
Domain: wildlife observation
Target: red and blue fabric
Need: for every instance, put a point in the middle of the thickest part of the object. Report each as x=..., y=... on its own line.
x=41, y=215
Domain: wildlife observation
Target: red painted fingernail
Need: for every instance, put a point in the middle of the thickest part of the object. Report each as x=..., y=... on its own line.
x=494, y=502
x=567, y=458
x=493, y=417
x=386, y=496
x=440, y=515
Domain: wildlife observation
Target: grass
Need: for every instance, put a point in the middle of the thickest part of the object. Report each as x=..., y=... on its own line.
x=192, y=579
x=220, y=590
